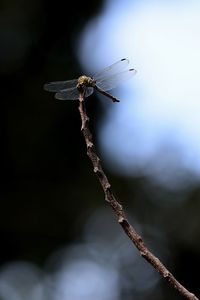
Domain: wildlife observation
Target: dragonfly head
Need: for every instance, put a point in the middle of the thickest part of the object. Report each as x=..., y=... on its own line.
x=86, y=81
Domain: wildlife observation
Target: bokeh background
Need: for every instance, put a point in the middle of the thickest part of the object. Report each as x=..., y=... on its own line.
x=59, y=239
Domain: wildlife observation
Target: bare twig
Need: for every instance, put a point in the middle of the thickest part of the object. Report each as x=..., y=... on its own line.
x=118, y=209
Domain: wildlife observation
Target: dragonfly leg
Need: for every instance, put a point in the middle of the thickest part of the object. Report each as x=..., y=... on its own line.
x=81, y=89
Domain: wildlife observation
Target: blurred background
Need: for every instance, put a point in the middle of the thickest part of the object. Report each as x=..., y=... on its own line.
x=59, y=239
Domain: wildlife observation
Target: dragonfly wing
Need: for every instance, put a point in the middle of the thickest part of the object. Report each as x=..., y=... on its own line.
x=72, y=93
x=68, y=94
x=115, y=80
x=111, y=70
x=57, y=86
x=89, y=91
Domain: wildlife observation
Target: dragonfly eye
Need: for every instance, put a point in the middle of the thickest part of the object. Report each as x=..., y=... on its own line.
x=86, y=80
x=83, y=80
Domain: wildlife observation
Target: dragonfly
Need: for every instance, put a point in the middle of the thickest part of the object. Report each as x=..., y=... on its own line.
x=103, y=81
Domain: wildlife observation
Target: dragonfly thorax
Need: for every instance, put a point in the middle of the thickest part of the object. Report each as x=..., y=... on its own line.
x=86, y=80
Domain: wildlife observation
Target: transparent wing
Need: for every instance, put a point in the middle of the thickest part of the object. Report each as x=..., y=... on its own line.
x=56, y=86
x=72, y=93
x=111, y=82
x=67, y=94
x=111, y=70
x=89, y=91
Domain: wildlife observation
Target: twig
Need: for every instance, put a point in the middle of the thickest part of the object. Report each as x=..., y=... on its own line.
x=118, y=209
